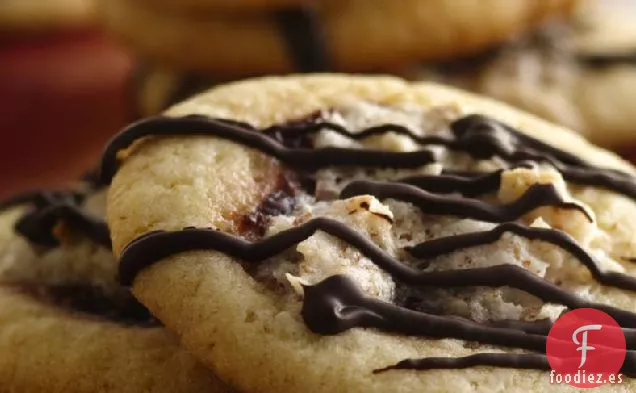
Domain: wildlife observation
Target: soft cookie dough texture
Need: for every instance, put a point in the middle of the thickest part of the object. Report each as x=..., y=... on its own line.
x=361, y=35
x=254, y=337
x=48, y=348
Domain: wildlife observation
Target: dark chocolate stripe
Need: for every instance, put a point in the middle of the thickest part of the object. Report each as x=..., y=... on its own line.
x=286, y=132
x=50, y=207
x=444, y=245
x=519, y=361
x=329, y=315
x=602, y=60
x=155, y=246
x=485, y=138
x=38, y=224
x=306, y=43
x=468, y=186
x=543, y=327
x=123, y=308
x=536, y=196
x=307, y=159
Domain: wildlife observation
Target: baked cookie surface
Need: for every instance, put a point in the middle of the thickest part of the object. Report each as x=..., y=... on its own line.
x=351, y=34
x=343, y=245
x=65, y=323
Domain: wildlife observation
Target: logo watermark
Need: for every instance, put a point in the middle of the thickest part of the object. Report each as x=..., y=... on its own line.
x=585, y=349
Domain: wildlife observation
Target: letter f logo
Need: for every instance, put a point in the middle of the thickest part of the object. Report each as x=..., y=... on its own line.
x=584, y=347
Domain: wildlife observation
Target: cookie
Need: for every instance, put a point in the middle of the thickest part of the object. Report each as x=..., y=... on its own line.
x=45, y=15
x=65, y=324
x=313, y=234
x=326, y=35
x=201, y=5
x=605, y=42
x=579, y=73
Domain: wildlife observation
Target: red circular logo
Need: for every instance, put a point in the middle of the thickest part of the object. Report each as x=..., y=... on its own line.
x=585, y=349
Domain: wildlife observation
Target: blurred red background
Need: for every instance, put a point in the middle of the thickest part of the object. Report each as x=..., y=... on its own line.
x=61, y=97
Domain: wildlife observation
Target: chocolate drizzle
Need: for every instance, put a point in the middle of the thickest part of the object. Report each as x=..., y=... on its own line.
x=336, y=304
x=303, y=35
x=50, y=208
x=536, y=196
x=155, y=246
x=444, y=245
x=122, y=308
x=290, y=132
x=602, y=60
x=327, y=314
x=519, y=361
x=302, y=158
x=472, y=186
x=476, y=135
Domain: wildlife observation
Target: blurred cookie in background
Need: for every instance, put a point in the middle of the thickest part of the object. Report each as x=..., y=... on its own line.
x=66, y=325
x=200, y=5
x=606, y=44
x=42, y=15
x=63, y=91
x=354, y=35
x=579, y=72
x=218, y=40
